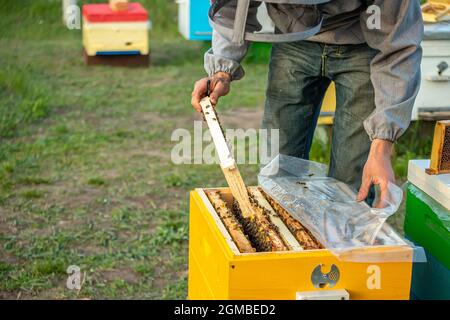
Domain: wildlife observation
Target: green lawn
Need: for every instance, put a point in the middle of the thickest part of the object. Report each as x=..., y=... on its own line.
x=85, y=171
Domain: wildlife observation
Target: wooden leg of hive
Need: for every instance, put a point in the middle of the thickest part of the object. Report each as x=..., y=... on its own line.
x=230, y=222
x=304, y=237
x=262, y=233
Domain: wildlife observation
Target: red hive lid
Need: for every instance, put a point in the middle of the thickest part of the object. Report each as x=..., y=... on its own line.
x=101, y=12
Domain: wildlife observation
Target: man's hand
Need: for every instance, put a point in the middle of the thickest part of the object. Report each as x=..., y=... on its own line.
x=378, y=171
x=219, y=86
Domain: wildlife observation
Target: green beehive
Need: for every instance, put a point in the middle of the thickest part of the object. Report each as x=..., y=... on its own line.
x=428, y=224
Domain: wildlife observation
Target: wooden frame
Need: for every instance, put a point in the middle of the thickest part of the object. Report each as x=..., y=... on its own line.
x=285, y=233
x=272, y=223
x=255, y=217
x=440, y=153
x=227, y=162
x=230, y=222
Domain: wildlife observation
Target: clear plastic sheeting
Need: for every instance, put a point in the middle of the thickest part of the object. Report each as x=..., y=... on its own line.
x=351, y=230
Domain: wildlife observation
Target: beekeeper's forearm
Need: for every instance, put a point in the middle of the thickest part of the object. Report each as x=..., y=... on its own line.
x=395, y=70
x=225, y=56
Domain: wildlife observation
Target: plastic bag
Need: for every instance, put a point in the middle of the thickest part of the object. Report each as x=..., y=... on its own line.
x=328, y=208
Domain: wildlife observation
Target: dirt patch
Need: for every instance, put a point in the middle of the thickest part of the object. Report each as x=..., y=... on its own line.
x=12, y=295
x=120, y=274
x=90, y=250
x=148, y=152
x=142, y=202
x=8, y=258
x=239, y=118
x=152, y=118
x=80, y=197
x=242, y=118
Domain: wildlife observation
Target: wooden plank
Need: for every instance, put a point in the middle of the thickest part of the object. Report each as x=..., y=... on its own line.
x=263, y=235
x=261, y=232
x=223, y=230
x=239, y=190
x=258, y=228
x=303, y=236
x=229, y=220
x=284, y=232
x=227, y=162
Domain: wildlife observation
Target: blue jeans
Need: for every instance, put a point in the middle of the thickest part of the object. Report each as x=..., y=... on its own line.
x=299, y=76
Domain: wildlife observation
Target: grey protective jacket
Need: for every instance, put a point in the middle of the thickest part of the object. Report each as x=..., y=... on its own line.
x=395, y=70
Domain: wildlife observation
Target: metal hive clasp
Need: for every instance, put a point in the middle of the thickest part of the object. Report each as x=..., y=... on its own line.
x=322, y=280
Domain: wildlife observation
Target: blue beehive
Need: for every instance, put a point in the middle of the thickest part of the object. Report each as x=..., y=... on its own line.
x=193, y=19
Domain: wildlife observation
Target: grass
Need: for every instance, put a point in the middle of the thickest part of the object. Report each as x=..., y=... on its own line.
x=85, y=171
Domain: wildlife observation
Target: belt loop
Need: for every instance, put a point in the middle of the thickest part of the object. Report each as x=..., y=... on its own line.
x=240, y=21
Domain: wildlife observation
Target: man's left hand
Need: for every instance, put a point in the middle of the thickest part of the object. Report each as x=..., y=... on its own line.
x=378, y=171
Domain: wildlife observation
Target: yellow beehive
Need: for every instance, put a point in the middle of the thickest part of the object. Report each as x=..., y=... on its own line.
x=115, y=37
x=217, y=270
x=109, y=32
x=328, y=106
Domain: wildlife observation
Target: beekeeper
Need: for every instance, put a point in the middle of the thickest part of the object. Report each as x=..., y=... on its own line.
x=369, y=49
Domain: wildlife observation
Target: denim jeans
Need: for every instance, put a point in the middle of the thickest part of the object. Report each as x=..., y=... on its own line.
x=299, y=75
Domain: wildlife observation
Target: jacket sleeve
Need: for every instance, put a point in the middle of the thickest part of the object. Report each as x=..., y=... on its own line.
x=395, y=70
x=224, y=55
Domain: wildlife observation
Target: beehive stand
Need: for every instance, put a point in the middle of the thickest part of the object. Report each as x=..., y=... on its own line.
x=125, y=60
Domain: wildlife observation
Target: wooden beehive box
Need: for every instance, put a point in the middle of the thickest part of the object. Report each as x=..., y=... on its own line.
x=218, y=270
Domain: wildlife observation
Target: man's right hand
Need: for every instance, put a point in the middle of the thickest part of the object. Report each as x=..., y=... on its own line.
x=219, y=86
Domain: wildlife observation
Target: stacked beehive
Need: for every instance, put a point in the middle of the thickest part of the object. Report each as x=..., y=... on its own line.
x=116, y=34
x=427, y=223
